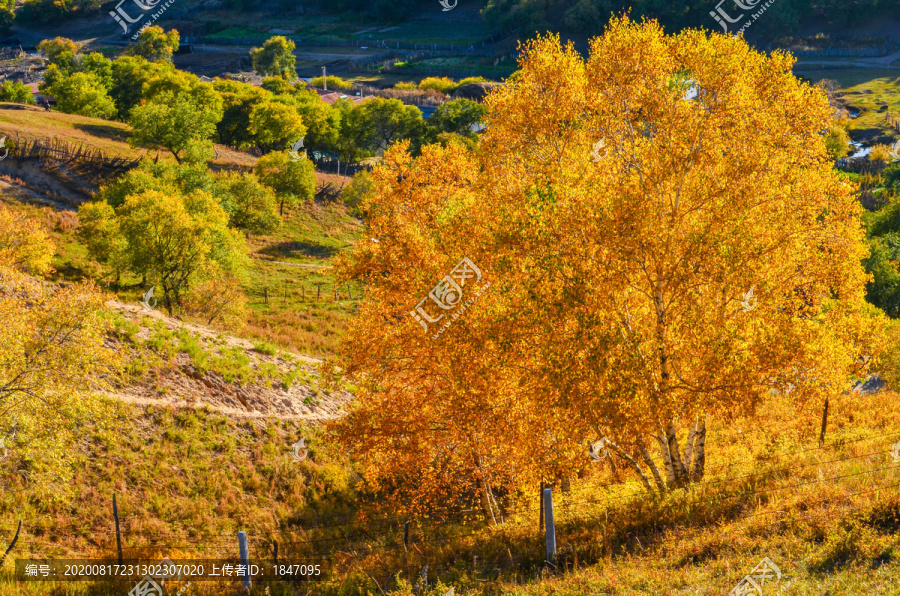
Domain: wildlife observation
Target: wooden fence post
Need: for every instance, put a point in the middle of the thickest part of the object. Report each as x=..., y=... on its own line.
x=551, y=527
x=334, y=287
x=11, y=544
x=118, y=534
x=824, y=423
x=275, y=548
x=245, y=557
x=541, y=523
x=318, y=291
x=266, y=293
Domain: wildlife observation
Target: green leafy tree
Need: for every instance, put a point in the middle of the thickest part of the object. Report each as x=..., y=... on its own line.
x=7, y=15
x=169, y=238
x=249, y=203
x=390, y=120
x=837, y=142
x=154, y=44
x=354, y=139
x=129, y=75
x=239, y=99
x=322, y=121
x=59, y=50
x=172, y=120
x=360, y=190
x=275, y=58
x=584, y=17
x=98, y=65
x=458, y=117
x=16, y=92
x=293, y=181
x=278, y=86
x=334, y=83
x=81, y=93
x=274, y=125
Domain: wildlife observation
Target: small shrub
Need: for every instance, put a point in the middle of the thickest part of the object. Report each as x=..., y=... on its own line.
x=287, y=379
x=442, y=84
x=405, y=86
x=265, y=348
x=191, y=346
x=67, y=222
x=470, y=80
x=333, y=83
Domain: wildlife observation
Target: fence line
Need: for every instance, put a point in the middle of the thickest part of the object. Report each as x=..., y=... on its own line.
x=359, y=43
x=318, y=292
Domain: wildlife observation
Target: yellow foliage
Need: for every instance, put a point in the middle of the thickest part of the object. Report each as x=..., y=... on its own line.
x=52, y=359
x=24, y=243
x=664, y=239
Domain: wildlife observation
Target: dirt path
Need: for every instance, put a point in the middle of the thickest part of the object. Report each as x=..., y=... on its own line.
x=176, y=380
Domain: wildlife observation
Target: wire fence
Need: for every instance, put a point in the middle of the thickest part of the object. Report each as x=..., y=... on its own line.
x=422, y=542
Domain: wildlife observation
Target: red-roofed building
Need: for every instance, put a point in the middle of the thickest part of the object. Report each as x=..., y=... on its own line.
x=330, y=97
x=38, y=97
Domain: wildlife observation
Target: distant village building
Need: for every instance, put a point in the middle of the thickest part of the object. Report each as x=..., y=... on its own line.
x=39, y=98
x=330, y=97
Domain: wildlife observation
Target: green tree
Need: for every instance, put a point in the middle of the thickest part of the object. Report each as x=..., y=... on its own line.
x=275, y=58
x=274, y=125
x=278, y=86
x=154, y=44
x=458, y=117
x=7, y=15
x=837, y=142
x=354, y=139
x=293, y=180
x=129, y=75
x=360, y=190
x=390, y=120
x=169, y=238
x=98, y=65
x=16, y=92
x=58, y=50
x=322, y=121
x=81, y=93
x=249, y=203
x=584, y=17
x=172, y=120
x=239, y=99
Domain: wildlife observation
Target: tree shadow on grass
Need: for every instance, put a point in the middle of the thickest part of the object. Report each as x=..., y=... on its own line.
x=295, y=249
x=105, y=131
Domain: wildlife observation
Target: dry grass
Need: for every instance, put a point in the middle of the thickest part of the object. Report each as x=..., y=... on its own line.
x=111, y=137
x=188, y=480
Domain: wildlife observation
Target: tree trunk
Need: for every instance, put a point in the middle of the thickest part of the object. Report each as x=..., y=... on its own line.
x=633, y=463
x=483, y=490
x=667, y=460
x=689, y=447
x=653, y=469
x=699, y=465
x=681, y=475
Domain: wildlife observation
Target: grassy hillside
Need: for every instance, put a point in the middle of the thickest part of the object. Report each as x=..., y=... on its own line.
x=108, y=136
x=187, y=480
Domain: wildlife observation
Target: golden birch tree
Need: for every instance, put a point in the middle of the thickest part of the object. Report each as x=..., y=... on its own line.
x=664, y=239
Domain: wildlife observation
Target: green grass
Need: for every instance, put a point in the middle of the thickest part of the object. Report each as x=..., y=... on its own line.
x=301, y=315
x=868, y=90
x=294, y=266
